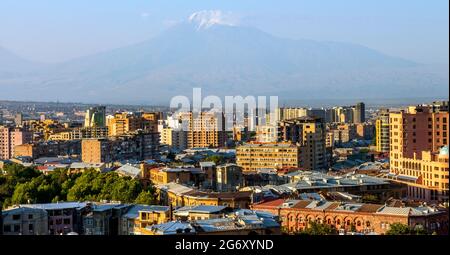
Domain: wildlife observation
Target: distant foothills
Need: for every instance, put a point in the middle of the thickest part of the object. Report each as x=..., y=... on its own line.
x=316, y=103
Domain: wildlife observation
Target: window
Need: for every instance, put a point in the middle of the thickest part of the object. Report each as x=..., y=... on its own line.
x=7, y=228
x=66, y=221
x=16, y=228
x=58, y=221
x=30, y=227
x=30, y=216
x=16, y=217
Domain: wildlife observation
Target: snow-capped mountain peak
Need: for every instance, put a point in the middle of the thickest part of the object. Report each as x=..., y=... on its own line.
x=207, y=18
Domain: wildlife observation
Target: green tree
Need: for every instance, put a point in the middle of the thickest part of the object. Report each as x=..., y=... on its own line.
x=216, y=159
x=315, y=228
x=402, y=229
x=23, y=184
x=145, y=198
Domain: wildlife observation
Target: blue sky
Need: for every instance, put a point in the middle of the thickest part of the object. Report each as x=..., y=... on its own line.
x=55, y=30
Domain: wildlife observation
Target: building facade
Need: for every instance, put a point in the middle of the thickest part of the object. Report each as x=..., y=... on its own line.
x=419, y=152
x=382, y=131
x=254, y=156
x=297, y=215
x=10, y=138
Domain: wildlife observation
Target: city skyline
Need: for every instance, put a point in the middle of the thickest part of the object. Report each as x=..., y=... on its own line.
x=187, y=119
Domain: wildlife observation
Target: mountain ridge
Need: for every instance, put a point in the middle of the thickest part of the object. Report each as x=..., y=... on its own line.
x=246, y=61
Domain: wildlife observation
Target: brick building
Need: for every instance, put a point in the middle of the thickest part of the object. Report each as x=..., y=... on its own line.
x=296, y=215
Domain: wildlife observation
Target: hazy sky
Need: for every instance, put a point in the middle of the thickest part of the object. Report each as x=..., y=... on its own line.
x=55, y=30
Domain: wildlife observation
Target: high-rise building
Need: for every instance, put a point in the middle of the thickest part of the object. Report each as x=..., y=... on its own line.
x=11, y=137
x=419, y=142
x=309, y=133
x=125, y=122
x=382, y=131
x=343, y=114
x=359, y=113
x=135, y=146
x=95, y=151
x=95, y=117
x=205, y=129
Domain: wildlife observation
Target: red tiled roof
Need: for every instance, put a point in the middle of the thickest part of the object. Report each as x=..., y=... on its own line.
x=272, y=203
x=301, y=204
x=369, y=208
x=333, y=206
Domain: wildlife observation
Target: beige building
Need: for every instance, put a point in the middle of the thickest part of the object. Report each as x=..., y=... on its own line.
x=254, y=156
x=419, y=152
x=94, y=151
x=174, y=138
x=204, y=130
x=125, y=123
x=288, y=113
x=382, y=131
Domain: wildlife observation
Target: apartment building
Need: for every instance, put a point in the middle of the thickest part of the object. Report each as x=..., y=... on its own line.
x=382, y=131
x=254, y=156
x=10, y=138
x=137, y=146
x=309, y=133
x=296, y=215
x=419, y=142
x=204, y=129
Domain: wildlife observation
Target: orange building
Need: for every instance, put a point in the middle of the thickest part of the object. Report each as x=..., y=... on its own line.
x=419, y=142
x=296, y=215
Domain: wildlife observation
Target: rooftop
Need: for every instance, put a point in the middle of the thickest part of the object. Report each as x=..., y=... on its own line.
x=129, y=170
x=133, y=212
x=56, y=206
x=202, y=209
